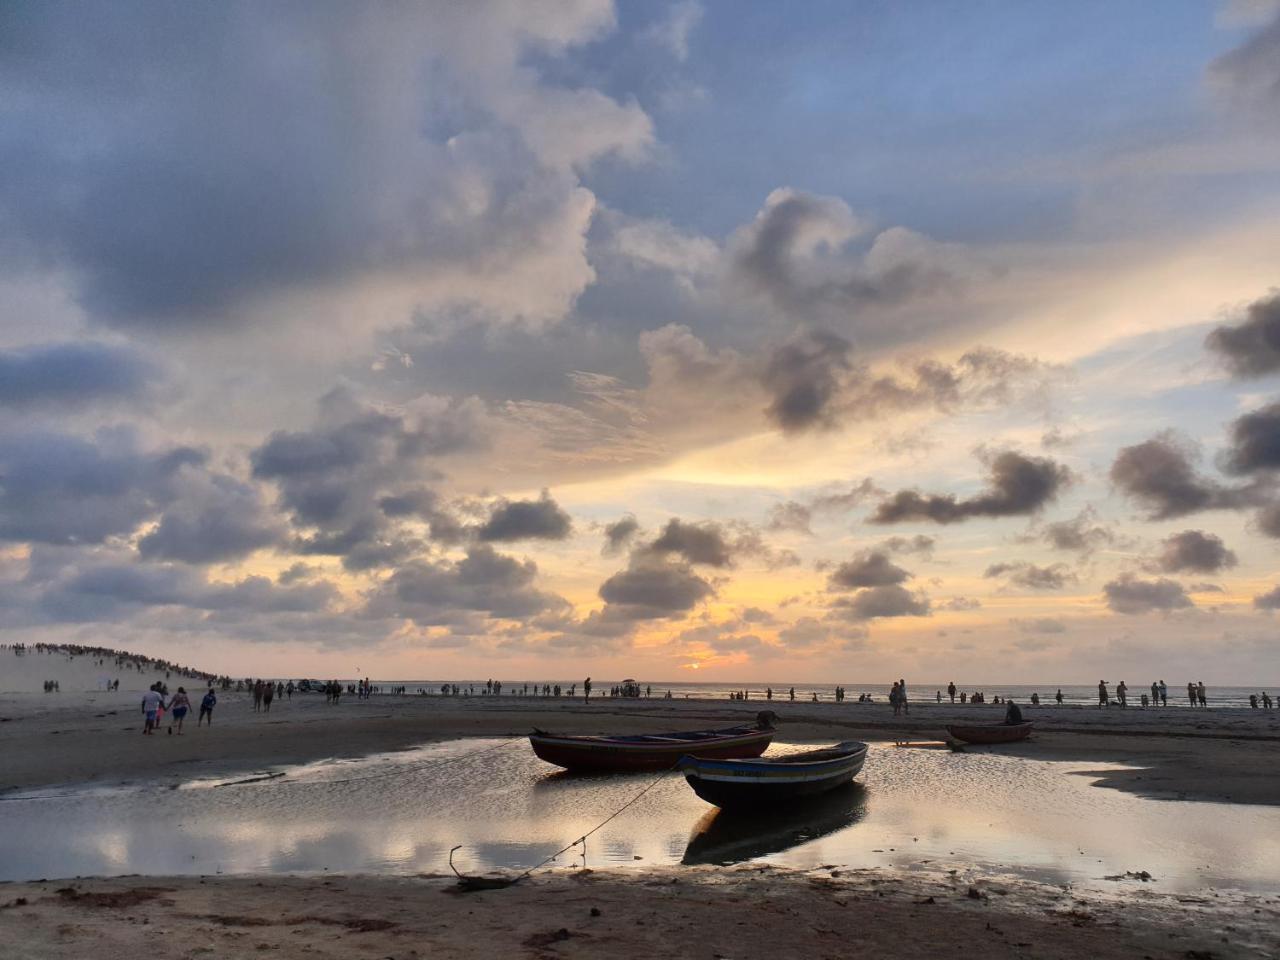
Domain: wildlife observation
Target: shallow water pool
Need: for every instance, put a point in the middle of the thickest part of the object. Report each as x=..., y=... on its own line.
x=401, y=813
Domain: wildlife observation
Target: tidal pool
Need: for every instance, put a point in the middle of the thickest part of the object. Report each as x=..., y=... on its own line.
x=401, y=813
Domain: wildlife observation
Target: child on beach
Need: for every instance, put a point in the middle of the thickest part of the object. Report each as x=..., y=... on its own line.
x=152, y=702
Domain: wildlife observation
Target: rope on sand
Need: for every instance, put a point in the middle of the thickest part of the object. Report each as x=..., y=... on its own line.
x=470, y=884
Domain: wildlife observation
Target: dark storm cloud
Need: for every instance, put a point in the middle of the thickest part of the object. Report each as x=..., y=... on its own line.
x=1254, y=445
x=59, y=488
x=652, y=590
x=1018, y=485
x=540, y=519
x=618, y=535
x=443, y=592
x=1033, y=577
x=885, y=601
x=1251, y=348
x=1160, y=475
x=803, y=378
x=1193, y=551
x=869, y=569
x=216, y=519
x=1250, y=73
x=1129, y=595
x=238, y=150
x=74, y=374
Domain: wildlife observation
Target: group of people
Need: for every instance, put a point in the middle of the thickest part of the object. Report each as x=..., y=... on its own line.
x=154, y=708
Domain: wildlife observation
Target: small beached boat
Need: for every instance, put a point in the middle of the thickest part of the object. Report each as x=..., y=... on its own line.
x=773, y=781
x=991, y=732
x=653, y=751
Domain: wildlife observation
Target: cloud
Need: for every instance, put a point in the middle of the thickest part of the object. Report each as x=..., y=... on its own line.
x=1255, y=442
x=885, y=601
x=960, y=604
x=1251, y=348
x=651, y=589
x=350, y=482
x=63, y=489
x=673, y=30
x=696, y=542
x=803, y=378
x=800, y=253
x=1033, y=577
x=1268, y=601
x=1082, y=533
x=1039, y=625
x=790, y=515
x=1129, y=595
x=1193, y=551
x=74, y=375
x=814, y=382
x=618, y=535
x=215, y=519
x=240, y=153
x=1018, y=484
x=868, y=569
x=540, y=519
x=853, y=497
x=918, y=544
x=1250, y=73
x=445, y=592
x=1160, y=475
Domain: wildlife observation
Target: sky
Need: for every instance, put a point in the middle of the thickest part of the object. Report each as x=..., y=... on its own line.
x=685, y=341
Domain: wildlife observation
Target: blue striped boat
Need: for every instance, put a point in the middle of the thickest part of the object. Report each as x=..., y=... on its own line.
x=773, y=781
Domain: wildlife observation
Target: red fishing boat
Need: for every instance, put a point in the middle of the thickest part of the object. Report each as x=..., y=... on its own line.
x=991, y=732
x=653, y=751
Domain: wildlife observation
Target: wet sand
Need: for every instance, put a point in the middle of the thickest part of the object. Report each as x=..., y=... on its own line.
x=1222, y=754
x=693, y=912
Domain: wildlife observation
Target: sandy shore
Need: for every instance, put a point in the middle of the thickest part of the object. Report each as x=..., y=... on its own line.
x=691, y=912
x=78, y=737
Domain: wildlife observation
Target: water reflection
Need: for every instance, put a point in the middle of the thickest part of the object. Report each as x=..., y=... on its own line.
x=725, y=837
x=401, y=812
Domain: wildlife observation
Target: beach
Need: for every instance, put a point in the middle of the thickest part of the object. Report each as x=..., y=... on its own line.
x=82, y=736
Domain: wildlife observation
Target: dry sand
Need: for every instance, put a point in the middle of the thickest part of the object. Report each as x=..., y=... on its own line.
x=690, y=912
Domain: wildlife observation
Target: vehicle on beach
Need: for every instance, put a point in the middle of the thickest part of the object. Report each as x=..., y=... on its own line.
x=652, y=751
x=770, y=782
x=990, y=732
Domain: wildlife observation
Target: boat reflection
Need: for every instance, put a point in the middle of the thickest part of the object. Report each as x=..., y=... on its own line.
x=724, y=837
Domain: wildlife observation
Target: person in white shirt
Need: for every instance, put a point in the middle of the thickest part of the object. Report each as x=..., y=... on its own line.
x=152, y=702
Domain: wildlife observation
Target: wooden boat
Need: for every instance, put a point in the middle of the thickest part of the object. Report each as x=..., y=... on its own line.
x=773, y=781
x=653, y=751
x=733, y=836
x=991, y=732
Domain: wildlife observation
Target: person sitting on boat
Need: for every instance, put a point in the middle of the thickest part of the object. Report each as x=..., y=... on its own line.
x=1012, y=715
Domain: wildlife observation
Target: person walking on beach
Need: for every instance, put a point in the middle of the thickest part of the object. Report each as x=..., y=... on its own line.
x=902, y=695
x=1122, y=694
x=152, y=702
x=895, y=698
x=289, y=690
x=268, y=694
x=1191, y=693
x=586, y=690
x=1164, y=694
x=1155, y=693
x=179, y=706
x=951, y=691
x=206, y=707
x=1059, y=697
x=1200, y=694
x=1104, y=699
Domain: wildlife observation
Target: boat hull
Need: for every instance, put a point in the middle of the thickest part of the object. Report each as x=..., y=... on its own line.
x=610, y=755
x=774, y=783
x=991, y=733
